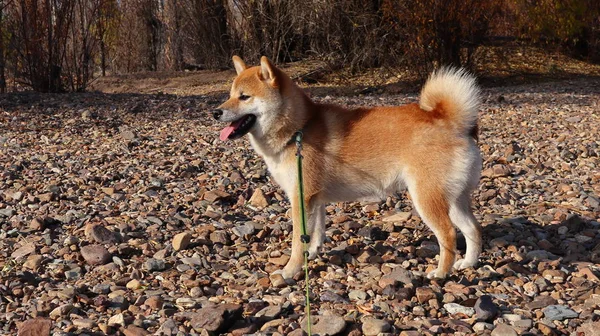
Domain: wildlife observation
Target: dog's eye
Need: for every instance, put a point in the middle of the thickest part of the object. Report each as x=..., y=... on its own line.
x=244, y=97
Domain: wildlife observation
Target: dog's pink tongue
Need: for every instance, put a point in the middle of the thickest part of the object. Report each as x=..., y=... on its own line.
x=226, y=132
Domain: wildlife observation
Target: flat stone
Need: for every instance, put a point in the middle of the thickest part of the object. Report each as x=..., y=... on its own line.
x=33, y=262
x=268, y=313
x=23, y=251
x=559, y=312
x=455, y=308
x=84, y=323
x=554, y=276
x=398, y=217
x=132, y=330
x=38, y=326
x=541, y=302
x=589, y=329
x=398, y=275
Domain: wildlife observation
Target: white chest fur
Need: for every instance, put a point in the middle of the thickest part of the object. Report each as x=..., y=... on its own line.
x=279, y=166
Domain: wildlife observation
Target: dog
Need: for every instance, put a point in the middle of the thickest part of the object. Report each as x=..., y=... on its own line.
x=429, y=148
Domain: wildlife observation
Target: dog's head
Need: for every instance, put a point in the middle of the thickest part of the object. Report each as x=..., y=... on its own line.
x=255, y=100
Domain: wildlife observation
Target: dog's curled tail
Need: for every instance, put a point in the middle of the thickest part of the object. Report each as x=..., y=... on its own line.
x=453, y=94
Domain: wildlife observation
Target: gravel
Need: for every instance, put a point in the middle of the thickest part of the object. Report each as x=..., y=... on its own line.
x=123, y=214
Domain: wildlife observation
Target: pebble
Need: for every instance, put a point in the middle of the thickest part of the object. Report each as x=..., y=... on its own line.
x=84, y=323
x=357, y=294
x=485, y=309
x=35, y=327
x=259, y=199
x=372, y=326
x=132, y=330
x=424, y=294
x=116, y=320
x=95, y=254
x=23, y=251
x=327, y=324
x=152, y=265
x=398, y=275
x=181, y=241
x=504, y=330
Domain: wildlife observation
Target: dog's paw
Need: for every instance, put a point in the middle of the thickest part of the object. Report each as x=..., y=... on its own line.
x=436, y=274
x=464, y=263
x=288, y=271
x=313, y=253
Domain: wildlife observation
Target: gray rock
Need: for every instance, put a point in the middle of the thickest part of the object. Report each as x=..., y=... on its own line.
x=539, y=255
x=7, y=212
x=243, y=230
x=398, y=275
x=168, y=328
x=152, y=265
x=485, y=308
x=329, y=296
x=269, y=313
x=73, y=274
x=559, y=312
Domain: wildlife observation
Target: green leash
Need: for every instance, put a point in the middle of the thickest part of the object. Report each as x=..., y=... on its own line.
x=305, y=238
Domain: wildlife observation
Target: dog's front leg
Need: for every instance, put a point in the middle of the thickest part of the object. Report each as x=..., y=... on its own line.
x=296, y=261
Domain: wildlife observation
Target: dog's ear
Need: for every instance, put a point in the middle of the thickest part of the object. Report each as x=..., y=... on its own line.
x=267, y=71
x=239, y=64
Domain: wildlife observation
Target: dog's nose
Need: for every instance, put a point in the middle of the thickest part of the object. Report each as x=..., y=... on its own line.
x=217, y=114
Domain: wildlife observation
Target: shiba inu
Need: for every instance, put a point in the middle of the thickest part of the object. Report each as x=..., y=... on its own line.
x=428, y=147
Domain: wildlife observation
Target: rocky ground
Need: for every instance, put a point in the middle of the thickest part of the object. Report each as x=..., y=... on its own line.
x=123, y=214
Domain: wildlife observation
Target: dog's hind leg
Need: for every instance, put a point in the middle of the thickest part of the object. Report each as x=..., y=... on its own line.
x=463, y=218
x=431, y=203
x=316, y=230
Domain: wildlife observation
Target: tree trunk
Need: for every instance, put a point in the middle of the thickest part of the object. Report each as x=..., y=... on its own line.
x=2, y=62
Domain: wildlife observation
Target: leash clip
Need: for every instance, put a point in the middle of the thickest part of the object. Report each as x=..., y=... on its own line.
x=298, y=139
